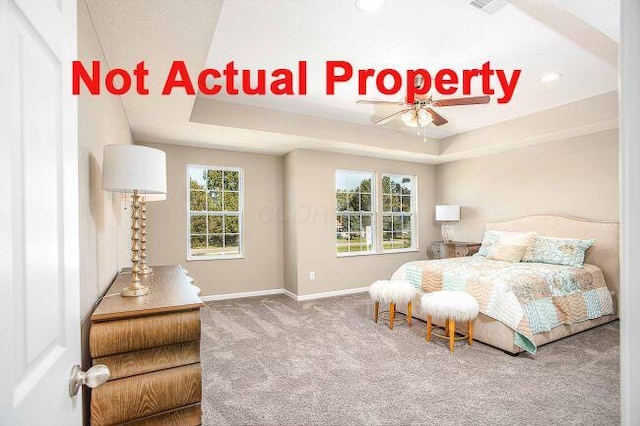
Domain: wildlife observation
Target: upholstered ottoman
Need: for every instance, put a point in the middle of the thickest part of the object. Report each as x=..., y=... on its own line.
x=450, y=306
x=394, y=293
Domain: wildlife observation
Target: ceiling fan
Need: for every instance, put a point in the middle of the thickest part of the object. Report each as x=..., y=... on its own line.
x=421, y=112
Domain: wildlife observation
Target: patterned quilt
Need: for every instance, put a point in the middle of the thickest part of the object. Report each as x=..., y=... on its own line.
x=527, y=297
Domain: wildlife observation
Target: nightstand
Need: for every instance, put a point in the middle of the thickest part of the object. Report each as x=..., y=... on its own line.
x=442, y=250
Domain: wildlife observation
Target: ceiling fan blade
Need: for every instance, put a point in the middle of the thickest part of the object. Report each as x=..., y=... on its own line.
x=363, y=101
x=438, y=120
x=473, y=100
x=389, y=117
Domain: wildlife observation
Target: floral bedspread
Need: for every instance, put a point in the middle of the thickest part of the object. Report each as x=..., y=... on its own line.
x=527, y=297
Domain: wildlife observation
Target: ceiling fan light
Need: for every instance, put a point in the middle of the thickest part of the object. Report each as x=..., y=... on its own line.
x=409, y=118
x=369, y=5
x=424, y=117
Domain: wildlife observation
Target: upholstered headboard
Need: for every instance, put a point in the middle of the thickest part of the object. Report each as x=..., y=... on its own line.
x=604, y=253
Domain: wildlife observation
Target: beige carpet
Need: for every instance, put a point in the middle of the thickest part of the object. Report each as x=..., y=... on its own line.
x=271, y=360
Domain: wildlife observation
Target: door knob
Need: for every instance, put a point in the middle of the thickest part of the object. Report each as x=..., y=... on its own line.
x=93, y=377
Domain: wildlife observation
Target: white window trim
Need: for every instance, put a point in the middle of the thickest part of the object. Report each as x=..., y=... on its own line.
x=223, y=256
x=374, y=221
x=378, y=214
x=414, y=215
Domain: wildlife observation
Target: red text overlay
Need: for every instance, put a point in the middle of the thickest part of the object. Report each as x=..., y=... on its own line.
x=285, y=81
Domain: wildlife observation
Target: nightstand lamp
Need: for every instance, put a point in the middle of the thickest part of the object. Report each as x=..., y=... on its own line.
x=142, y=171
x=447, y=214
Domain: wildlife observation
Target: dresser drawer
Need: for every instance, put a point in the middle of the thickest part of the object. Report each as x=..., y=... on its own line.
x=126, y=335
x=147, y=360
x=144, y=395
x=188, y=416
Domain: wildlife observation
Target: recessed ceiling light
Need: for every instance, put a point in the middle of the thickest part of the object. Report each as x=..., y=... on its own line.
x=550, y=76
x=369, y=5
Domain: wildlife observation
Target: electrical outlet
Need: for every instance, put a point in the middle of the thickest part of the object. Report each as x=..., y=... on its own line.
x=312, y=275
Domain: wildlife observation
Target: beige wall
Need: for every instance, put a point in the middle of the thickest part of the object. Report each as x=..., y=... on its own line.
x=289, y=222
x=262, y=266
x=576, y=176
x=104, y=224
x=312, y=207
x=290, y=260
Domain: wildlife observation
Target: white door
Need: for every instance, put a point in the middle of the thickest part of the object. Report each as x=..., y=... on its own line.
x=39, y=298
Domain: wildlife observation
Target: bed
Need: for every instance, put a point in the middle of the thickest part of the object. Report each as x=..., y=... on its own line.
x=498, y=324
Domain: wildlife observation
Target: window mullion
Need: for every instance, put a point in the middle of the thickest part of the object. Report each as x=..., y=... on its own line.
x=378, y=213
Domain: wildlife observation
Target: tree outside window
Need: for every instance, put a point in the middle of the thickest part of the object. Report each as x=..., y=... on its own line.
x=360, y=227
x=354, y=211
x=215, y=212
x=397, y=212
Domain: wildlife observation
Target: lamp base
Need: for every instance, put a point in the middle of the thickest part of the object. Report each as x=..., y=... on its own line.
x=447, y=232
x=145, y=270
x=132, y=291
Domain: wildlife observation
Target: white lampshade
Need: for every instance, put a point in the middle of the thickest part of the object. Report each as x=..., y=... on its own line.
x=126, y=168
x=369, y=5
x=447, y=213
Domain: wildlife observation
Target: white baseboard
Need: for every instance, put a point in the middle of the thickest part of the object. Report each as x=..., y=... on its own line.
x=243, y=294
x=285, y=292
x=331, y=293
x=289, y=294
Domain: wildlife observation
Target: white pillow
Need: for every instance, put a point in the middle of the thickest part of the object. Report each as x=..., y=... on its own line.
x=506, y=253
x=524, y=239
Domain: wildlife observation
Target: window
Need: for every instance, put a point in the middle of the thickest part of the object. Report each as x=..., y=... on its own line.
x=358, y=220
x=397, y=212
x=215, y=212
x=354, y=211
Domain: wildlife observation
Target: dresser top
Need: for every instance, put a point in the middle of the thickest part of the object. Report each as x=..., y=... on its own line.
x=170, y=290
x=456, y=243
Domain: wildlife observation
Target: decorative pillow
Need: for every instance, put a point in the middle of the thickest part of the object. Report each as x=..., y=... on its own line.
x=506, y=253
x=505, y=238
x=558, y=251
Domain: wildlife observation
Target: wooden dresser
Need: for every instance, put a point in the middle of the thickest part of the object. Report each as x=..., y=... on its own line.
x=151, y=345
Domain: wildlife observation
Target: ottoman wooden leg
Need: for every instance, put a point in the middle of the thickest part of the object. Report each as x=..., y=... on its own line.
x=470, y=332
x=375, y=311
x=446, y=326
x=409, y=318
x=392, y=314
x=428, y=328
x=452, y=334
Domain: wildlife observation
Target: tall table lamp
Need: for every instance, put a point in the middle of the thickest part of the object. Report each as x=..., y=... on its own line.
x=447, y=214
x=144, y=199
x=138, y=170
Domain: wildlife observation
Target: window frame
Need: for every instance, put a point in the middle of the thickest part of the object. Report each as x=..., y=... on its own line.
x=377, y=207
x=223, y=256
x=412, y=213
x=374, y=204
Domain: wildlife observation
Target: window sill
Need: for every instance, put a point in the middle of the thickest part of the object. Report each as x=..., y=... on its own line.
x=382, y=253
x=409, y=250
x=355, y=254
x=201, y=258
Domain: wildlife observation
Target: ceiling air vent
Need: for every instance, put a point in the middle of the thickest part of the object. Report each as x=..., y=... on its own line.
x=488, y=6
